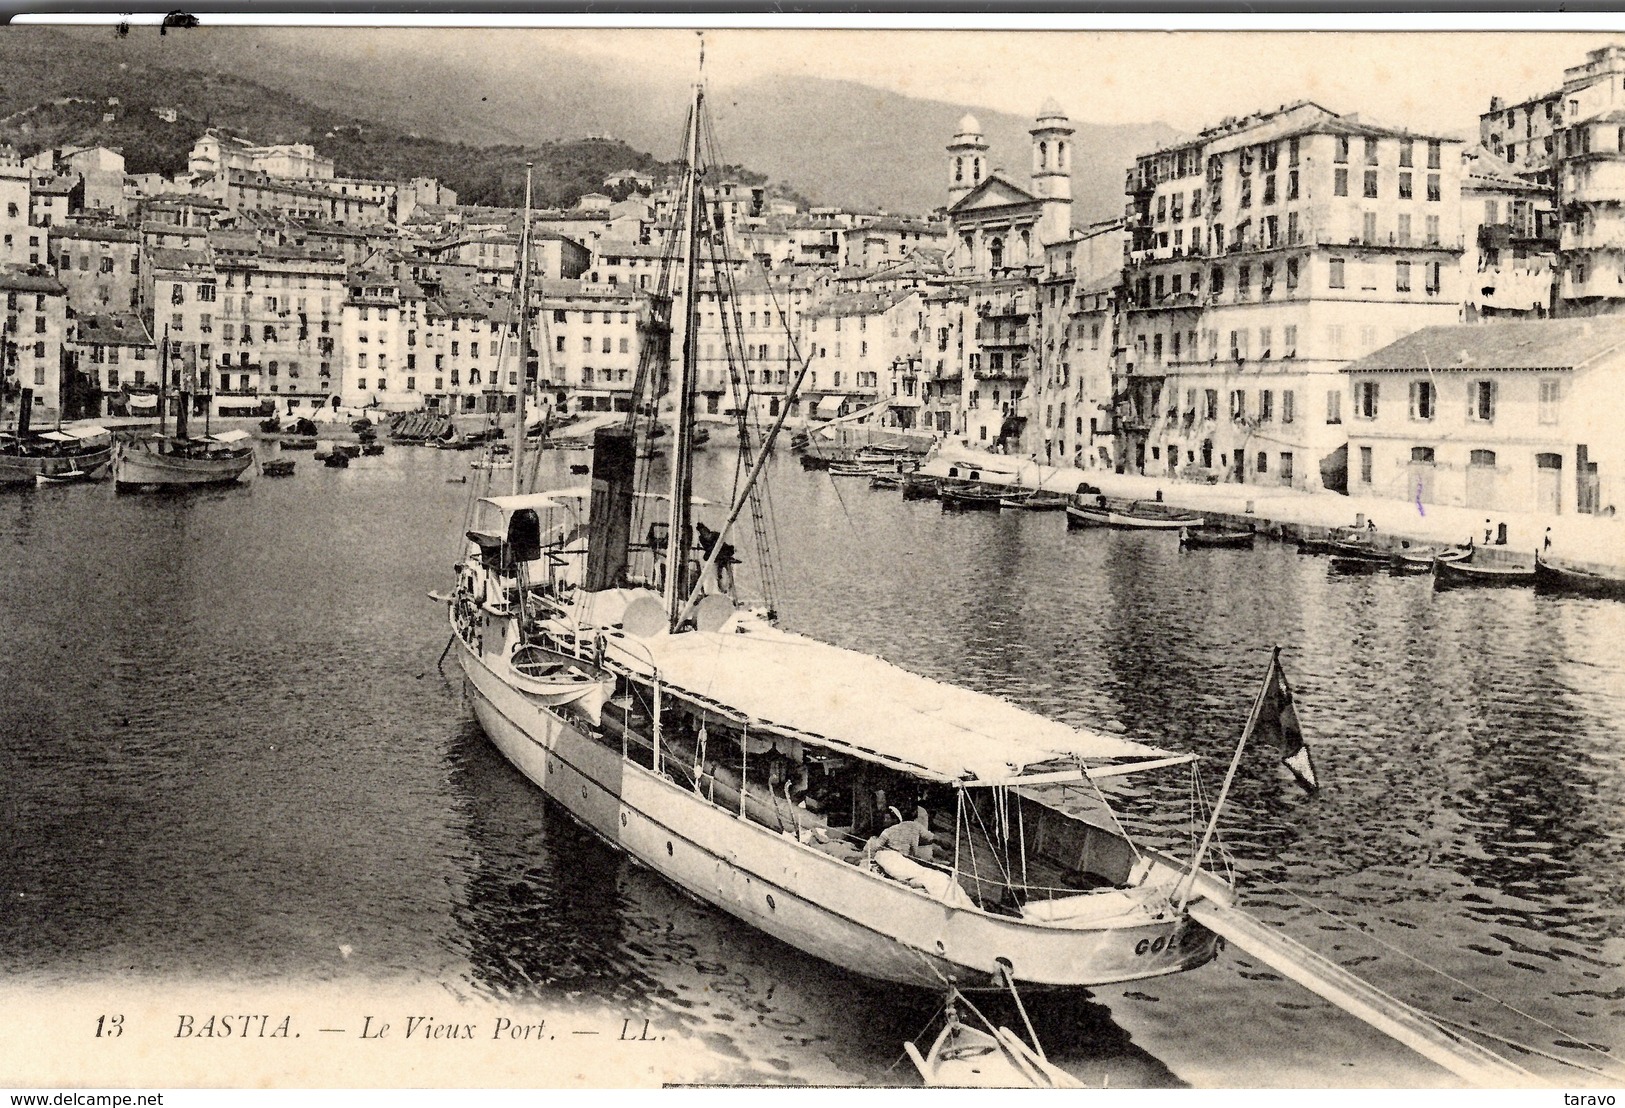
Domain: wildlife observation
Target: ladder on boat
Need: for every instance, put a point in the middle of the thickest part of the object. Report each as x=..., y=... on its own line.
x=1388, y=1014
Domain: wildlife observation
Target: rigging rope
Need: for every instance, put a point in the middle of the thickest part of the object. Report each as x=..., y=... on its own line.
x=1354, y=927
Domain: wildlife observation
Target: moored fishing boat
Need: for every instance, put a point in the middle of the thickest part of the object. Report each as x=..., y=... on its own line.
x=1137, y=516
x=1447, y=574
x=1034, y=500
x=1201, y=538
x=1420, y=559
x=919, y=486
x=277, y=467
x=886, y=481
x=971, y=495
x=79, y=452
x=1554, y=577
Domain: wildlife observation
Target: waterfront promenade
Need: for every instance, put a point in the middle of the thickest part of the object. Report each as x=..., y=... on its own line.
x=1586, y=540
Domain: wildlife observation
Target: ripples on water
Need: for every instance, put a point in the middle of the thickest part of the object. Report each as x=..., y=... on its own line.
x=229, y=754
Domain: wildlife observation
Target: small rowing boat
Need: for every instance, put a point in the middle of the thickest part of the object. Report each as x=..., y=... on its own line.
x=971, y=496
x=1138, y=516
x=886, y=481
x=918, y=486
x=277, y=467
x=1215, y=538
x=1449, y=574
x=987, y=1057
x=1037, y=500
x=1421, y=559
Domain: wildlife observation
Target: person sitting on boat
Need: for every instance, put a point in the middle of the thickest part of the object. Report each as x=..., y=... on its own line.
x=911, y=838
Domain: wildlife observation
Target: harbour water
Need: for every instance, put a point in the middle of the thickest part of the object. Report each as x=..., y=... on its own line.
x=229, y=756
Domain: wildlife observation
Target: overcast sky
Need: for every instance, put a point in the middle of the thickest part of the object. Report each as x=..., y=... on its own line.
x=1187, y=79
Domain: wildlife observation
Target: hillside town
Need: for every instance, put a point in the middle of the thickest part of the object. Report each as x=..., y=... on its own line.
x=1297, y=298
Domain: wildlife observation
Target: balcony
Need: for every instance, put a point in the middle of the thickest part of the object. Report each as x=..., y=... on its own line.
x=1007, y=373
x=1007, y=337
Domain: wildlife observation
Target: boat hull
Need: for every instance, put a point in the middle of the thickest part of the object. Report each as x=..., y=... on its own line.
x=1094, y=517
x=23, y=469
x=135, y=469
x=860, y=921
x=1451, y=574
x=1550, y=578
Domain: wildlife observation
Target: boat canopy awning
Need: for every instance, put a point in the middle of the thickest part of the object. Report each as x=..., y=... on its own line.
x=906, y=402
x=58, y=436
x=573, y=497
x=845, y=700
x=830, y=406
x=88, y=431
x=230, y=436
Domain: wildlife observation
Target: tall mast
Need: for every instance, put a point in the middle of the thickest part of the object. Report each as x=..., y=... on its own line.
x=163, y=379
x=682, y=464
x=524, y=337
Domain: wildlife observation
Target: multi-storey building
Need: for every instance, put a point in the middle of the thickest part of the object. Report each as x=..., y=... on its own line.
x=32, y=337
x=16, y=203
x=1525, y=135
x=942, y=358
x=277, y=326
x=51, y=199
x=865, y=348
x=1519, y=416
x=1264, y=256
x=767, y=340
x=101, y=266
x=1509, y=241
x=592, y=341
x=1077, y=301
x=887, y=240
x=110, y=353
x=217, y=152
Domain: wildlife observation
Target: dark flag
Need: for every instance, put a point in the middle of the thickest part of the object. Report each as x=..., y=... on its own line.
x=1278, y=723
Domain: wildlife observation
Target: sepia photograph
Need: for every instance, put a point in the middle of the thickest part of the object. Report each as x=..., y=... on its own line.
x=567, y=556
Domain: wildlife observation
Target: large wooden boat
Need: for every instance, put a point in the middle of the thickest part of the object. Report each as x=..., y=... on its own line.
x=27, y=457
x=172, y=462
x=1552, y=577
x=767, y=773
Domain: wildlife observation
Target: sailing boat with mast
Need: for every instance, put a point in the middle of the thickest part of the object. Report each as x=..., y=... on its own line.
x=163, y=461
x=903, y=828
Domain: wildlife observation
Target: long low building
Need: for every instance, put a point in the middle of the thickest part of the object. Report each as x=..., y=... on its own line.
x=1521, y=416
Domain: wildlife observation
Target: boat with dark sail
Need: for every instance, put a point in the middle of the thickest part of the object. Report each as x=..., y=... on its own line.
x=766, y=772
x=81, y=452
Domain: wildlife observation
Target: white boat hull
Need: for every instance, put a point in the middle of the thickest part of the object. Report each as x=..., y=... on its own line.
x=861, y=921
x=26, y=469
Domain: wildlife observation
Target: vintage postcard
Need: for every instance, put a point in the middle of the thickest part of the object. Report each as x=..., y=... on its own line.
x=583, y=557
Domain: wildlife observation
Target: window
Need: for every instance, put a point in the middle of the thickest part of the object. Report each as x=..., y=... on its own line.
x=1266, y=406
x=1368, y=227
x=1481, y=458
x=1212, y=404
x=1342, y=148
x=1406, y=151
x=1263, y=463
x=1246, y=192
x=1238, y=405
x=606, y=345
x=1551, y=392
x=1365, y=400
x=1244, y=282
x=1365, y=465
x=1288, y=398
x=1371, y=184
x=1335, y=276
x=1422, y=455
x=1434, y=149
x=1405, y=186
x=1481, y=401
x=1434, y=192
x=1216, y=281
x=1340, y=182
x=1431, y=224
x=1423, y=400
x=1433, y=271
x=1402, y=276
x=361, y=362
x=1370, y=151
x=1404, y=230
x=1291, y=184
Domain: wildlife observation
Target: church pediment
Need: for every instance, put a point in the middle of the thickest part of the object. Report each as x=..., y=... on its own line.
x=995, y=192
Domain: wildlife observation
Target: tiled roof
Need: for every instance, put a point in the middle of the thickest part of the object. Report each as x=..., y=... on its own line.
x=120, y=329
x=95, y=234
x=1533, y=344
x=859, y=303
x=17, y=280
